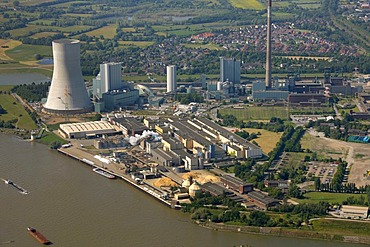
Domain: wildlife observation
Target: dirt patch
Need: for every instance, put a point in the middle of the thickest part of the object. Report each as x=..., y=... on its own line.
x=164, y=182
x=202, y=177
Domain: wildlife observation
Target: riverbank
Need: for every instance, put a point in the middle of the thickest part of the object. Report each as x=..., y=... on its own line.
x=285, y=232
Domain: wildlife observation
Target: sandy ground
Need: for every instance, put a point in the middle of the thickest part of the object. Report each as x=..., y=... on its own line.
x=356, y=154
x=202, y=176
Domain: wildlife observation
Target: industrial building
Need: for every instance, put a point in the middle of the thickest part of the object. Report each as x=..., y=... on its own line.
x=218, y=190
x=87, y=129
x=171, y=79
x=236, y=184
x=229, y=70
x=354, y=212
x=307, y=99
x=120, y=99
x=109, y=92
x=67, y=93
x=261, y=200
x=109, y=78
x=130, y=126
x=228, y=139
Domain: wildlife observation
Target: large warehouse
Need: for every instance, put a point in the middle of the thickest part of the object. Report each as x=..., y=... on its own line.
x=87, y=129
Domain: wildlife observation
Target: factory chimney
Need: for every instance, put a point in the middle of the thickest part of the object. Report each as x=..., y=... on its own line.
x=268, y=46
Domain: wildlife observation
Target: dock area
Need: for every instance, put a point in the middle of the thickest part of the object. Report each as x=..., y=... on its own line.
x=117, y=170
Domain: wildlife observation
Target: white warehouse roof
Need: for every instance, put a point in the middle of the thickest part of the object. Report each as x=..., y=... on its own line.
x=81, y=130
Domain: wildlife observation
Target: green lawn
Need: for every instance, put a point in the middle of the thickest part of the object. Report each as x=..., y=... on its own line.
x=334, y=198
x=49, y=137
x=28, y=52
x=15, y=111
x=256, y=113
x=340, y=227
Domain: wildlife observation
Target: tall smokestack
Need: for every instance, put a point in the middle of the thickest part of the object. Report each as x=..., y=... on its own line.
x=268, y=46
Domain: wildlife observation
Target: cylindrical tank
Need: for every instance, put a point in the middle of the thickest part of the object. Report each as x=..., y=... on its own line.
x=67, y=93
x=171, y=79
x=194, y=189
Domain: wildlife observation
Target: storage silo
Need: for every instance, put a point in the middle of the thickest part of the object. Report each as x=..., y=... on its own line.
x=67, y=93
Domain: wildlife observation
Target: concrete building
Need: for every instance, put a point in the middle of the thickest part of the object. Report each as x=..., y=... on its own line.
x=109, y=78
x=87, y=129
x=260, y=92
x=109, y=92
x=171, y=79
x=229, y=70
x=67, y=93
x=120, y=99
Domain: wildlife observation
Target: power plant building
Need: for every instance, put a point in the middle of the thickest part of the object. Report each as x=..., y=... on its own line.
x=108, y=79
x=109, y=92
x=171, y=79
x=67, y=93
x=229, y=70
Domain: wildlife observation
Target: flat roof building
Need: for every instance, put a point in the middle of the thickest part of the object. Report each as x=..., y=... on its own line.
x=348, y=211
x=87, y=129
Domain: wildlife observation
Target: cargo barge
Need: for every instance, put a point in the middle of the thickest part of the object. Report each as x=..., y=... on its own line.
x=38, y=236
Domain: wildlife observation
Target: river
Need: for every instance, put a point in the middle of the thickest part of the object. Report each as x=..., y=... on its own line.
x=72, y=206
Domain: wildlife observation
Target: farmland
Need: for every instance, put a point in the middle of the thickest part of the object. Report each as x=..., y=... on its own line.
x=107, y=32
x=247, y=4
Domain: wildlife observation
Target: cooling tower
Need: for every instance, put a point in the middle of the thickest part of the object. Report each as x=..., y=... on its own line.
x=268, y=46
x=67, y=93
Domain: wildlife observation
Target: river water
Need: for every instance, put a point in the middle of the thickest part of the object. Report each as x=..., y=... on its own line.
x=72, y=206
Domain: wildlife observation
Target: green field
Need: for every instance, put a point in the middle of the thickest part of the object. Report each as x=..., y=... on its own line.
x=247, y=4
x=49, y=137
x=28, y=52
x=43, y=35
x=256, y=113
x=108, y=32
x=15, y=111
x=334, y=198
x=341, y=227
x=24, y=30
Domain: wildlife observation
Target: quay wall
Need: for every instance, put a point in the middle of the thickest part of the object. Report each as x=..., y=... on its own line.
x=147, y=188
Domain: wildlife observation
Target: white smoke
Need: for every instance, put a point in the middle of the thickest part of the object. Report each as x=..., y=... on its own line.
x=134, y=139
